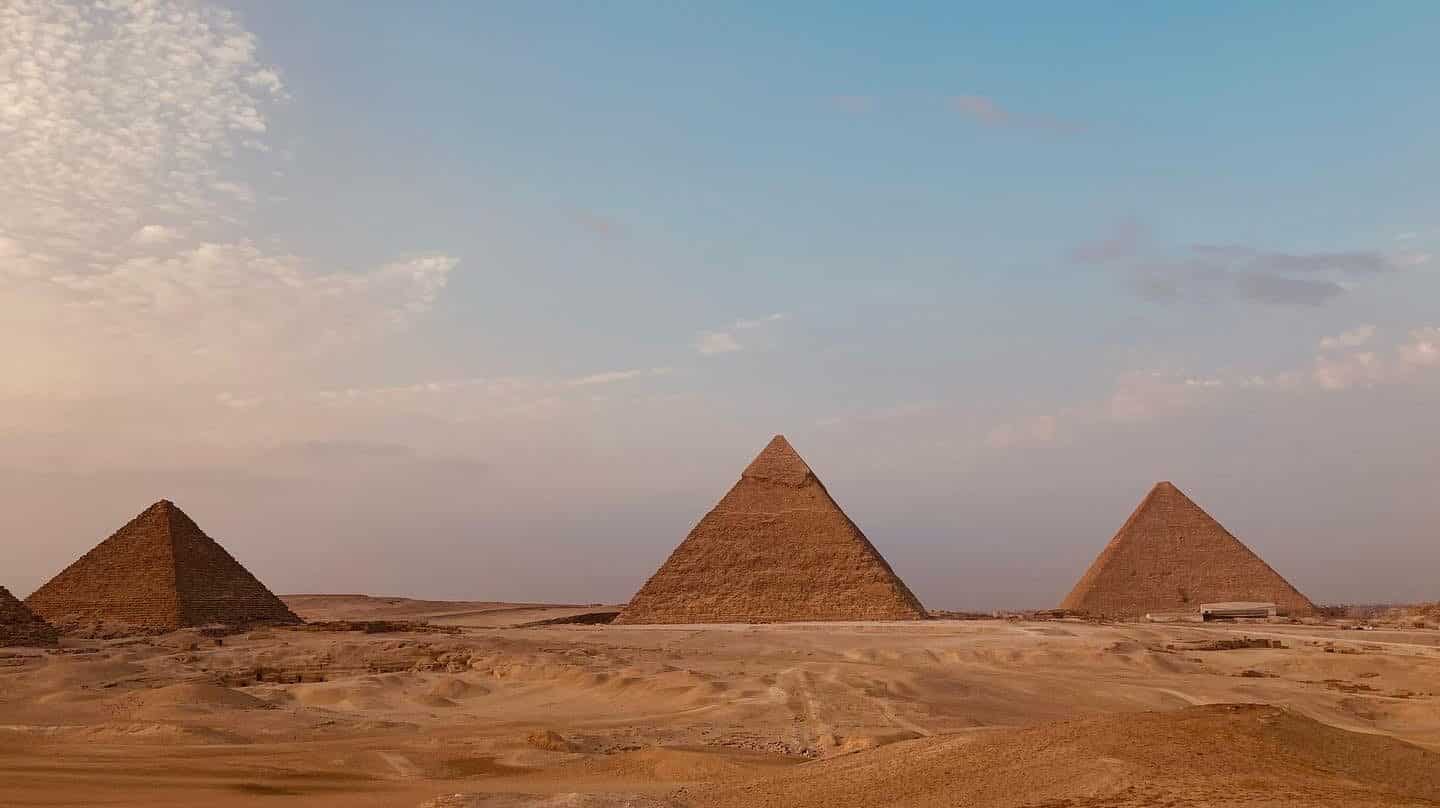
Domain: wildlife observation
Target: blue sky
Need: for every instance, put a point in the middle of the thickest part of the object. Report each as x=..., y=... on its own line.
x=502, y=283
x=744, y=155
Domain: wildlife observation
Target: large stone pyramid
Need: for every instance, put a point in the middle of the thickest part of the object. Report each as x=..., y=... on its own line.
x=160, y=572
x=1172, y=556
x=776, y=548
x=20, y=626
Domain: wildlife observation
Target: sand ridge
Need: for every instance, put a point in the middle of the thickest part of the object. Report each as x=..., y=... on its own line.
x=1226, y=754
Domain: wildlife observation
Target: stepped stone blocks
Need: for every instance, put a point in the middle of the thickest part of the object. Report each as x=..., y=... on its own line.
x=1170, y=555
x=776, y=548
x=160, y=572
x=20, y=626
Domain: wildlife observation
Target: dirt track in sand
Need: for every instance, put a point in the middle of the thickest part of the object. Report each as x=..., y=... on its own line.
x=682, y=715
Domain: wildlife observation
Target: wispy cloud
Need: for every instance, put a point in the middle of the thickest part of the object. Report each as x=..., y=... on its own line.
x=115, y=110
x=610, y=377
x=1211, y=273
x=1343, y=371
x=1423, y=349
x=989, y=112
x=1401, y=363
x=486, y=386
x=1037, y=430
x=154, y=234
x=1122, y=243
x=1216, y=274
x=125, y=204
x=893, y=412
x=1348, y=263
x=723, y=341
x=1342, y=362
x=1353, y=338
x=711, y=343
x=746, y=325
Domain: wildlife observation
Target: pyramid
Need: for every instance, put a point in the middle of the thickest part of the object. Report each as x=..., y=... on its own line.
x=776, y=548
x=160, y=572
x=20, y=626
x=1172, y=556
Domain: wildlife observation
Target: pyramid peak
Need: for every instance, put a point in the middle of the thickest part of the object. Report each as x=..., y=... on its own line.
x=779, y=462
x=162, y=506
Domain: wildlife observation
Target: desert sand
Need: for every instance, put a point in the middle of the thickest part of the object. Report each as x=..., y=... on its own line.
x=480, y=706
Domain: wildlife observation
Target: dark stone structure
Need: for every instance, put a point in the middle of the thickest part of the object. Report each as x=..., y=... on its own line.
x=777, y=548
x=160, y=572
x=1169, y=556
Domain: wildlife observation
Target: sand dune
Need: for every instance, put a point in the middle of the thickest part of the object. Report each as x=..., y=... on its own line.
x=1202, y=756
x=695, y=715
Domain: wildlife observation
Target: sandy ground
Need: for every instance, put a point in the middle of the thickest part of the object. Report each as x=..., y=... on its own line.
x=486, y=711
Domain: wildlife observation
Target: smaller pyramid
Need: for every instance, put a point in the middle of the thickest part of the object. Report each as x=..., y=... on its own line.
x=776, y=548
x=1170, y=555
x=160, y=572
x=20, y=626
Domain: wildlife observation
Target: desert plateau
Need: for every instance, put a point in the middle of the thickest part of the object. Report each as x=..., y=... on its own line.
x=396, y=702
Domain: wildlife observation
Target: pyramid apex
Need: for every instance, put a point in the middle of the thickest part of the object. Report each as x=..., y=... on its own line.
x=1163, y=490
x=780, y=442
x=779, y=462
x=167, y=511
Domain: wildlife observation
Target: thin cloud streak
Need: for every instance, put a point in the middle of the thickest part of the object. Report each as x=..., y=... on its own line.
x=988, y=111
x=1342, y=362
x=1224, y=273
x=724, y=341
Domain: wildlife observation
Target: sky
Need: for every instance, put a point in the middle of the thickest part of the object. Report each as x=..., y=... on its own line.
x=495, y=300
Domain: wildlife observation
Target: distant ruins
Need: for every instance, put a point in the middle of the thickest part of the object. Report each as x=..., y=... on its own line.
x=160, y=572
x=777, y=548
x=20, y=626
x=1169, y=556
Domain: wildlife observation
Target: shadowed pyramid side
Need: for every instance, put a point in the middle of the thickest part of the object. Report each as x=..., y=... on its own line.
x=1171, y=555
x=213, y=586
x=21, y=627
x=159, y=572
x=776, y=548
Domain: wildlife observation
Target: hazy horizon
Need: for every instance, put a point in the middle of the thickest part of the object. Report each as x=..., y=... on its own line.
x=464, y=302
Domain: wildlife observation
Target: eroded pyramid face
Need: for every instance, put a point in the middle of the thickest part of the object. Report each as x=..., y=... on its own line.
x=1169, y=556
x=159, y=572
x=776, y=548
